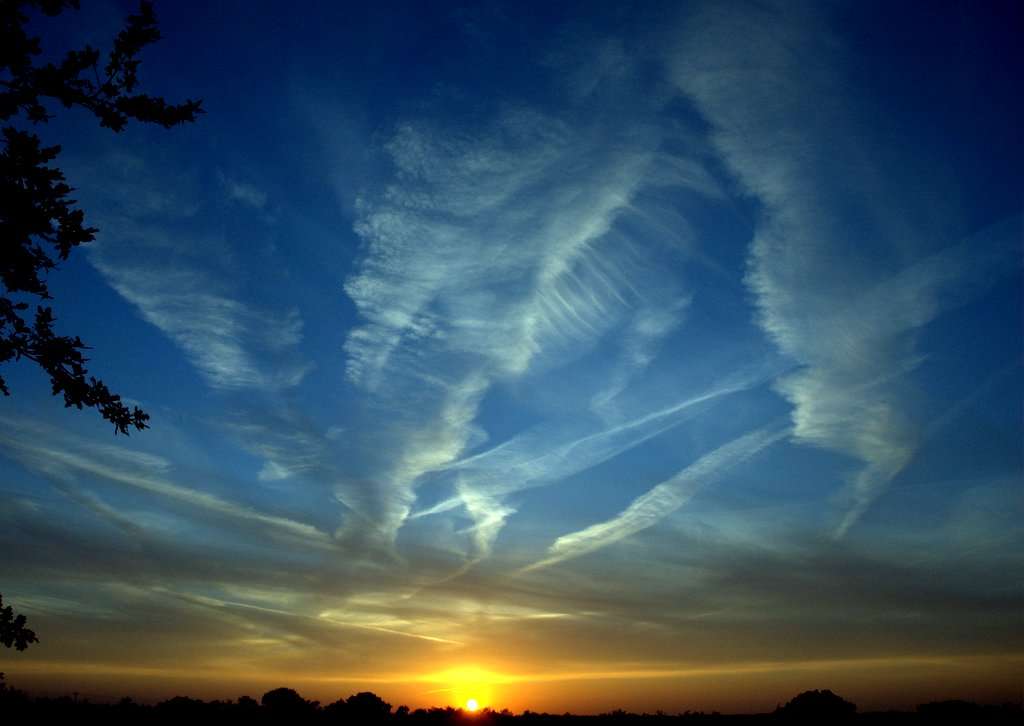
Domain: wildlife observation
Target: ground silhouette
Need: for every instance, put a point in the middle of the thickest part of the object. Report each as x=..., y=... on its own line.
x=287, y=706
x=817, y=707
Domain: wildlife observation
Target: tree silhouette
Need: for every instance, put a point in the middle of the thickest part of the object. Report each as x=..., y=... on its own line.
x=12, y=628
x=286, y=703
x=360, y=708
x=367, y=707
x=39, y=225
x=285, y=706
x=817, y=707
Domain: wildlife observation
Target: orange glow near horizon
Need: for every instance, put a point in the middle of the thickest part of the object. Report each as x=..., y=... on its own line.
x=471, y=687
x=738, y=687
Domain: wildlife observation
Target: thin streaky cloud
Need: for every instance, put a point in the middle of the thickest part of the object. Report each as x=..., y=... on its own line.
x=663, y=499
x=138, y=471
x=845, y=306
x=335, y=619
x=231, y=344
x=484, y=263
x=646, y=330
x=186, y=283
x=535, y=450
x=544, y=456
x=95, y=504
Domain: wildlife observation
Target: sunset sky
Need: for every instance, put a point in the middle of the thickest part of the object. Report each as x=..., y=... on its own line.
x=567, y=356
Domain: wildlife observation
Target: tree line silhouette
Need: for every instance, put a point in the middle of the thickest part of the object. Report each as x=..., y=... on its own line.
x=286, y=706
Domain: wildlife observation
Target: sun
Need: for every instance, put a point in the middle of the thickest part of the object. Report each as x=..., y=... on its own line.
x=470, y=688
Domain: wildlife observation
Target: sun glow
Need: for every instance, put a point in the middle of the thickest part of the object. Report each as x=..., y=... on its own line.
x=470, y=687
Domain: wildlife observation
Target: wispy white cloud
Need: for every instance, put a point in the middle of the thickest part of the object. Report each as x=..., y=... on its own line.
x=660, y=501
x=273, y=471
x=553, y=452
x=843, y=303
x=422, y=448
x=644, y=333
x=244, y=193
x=65, y=458
x=495, y=254
x=233, y=345
x=105, y=511
x=186, y=281
x=474, y=252
x=286, y=442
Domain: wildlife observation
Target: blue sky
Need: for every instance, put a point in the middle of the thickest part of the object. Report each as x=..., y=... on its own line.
x=493, y=344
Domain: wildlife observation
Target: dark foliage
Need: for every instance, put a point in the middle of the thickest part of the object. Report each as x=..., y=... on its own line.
x=286, y=706
x=814, y=707
x=39, y=224
x=12, y=628
x=367, y=707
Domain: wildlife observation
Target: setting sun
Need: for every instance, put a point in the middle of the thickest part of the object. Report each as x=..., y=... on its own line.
x=472, y=705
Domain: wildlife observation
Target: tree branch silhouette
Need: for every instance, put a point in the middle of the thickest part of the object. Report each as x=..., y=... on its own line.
x=12, y=628
x=39, y=224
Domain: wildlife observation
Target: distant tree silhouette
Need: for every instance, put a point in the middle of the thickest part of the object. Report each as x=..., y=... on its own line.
x=11, y=699
x=336, y=713
x=286, y=707
x=286, y=703
x=39, y=225
x=181, y=708
x=12, y=628
x=248, y=703
x=817, y=707
x=366, y=707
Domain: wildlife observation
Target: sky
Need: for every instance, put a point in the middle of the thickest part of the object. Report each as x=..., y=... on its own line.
x=563, y=356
